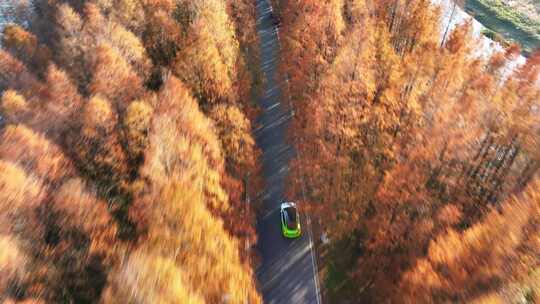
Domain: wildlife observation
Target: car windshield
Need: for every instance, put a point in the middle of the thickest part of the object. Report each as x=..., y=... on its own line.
x=291, y=217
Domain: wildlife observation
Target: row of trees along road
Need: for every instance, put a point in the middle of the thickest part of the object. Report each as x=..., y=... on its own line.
x=122, y=162
x=419, y=158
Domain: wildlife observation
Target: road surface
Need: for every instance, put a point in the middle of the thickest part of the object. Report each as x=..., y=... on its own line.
x=287, y=274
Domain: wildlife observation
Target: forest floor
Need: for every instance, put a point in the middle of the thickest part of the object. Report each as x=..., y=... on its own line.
x=336, y=263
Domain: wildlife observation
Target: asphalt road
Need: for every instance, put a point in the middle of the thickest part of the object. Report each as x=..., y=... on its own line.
x=287, y=273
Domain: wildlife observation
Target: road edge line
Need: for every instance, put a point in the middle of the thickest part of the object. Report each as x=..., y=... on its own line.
x=314, y=261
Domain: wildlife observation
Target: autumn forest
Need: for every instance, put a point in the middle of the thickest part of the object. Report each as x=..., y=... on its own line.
x=127, y=136
x=127, y=153
x=420, y=156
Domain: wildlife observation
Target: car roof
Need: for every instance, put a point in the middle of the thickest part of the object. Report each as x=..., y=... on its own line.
x=288, y=204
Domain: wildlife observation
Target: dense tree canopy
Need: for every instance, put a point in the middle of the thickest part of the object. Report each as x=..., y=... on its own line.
x=117, y=171
x=408, y=147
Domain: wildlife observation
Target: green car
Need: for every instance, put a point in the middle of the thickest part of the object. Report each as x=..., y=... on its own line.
x=290, y=220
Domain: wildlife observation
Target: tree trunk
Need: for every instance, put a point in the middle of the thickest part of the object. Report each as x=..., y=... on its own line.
x=526, y=175
x=448, y=24
x=483, y=155
x=499, y=180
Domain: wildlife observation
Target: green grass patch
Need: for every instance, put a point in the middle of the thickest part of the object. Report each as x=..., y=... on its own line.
x=338, y=259
x=495, y=36
x=510, y=24
x=508, y=14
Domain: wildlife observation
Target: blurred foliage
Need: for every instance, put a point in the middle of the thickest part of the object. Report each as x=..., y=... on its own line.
x=118, y=170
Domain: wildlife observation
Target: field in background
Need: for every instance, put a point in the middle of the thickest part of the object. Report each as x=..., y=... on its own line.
x=529, y=8
x=514, y=20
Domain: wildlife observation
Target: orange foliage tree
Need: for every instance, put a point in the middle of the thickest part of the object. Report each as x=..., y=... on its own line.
x=463, y=266
x=105, y=154
x=401, y=137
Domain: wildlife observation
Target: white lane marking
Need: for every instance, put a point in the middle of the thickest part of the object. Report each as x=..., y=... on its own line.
x=311, y=246
x=314, y=262
x=273, y=106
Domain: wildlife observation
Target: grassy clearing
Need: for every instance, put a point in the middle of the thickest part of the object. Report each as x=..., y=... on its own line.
x=339, y=259
x=509, y=22
x=495, y=36
x=513, y=16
